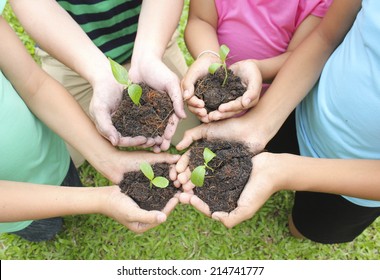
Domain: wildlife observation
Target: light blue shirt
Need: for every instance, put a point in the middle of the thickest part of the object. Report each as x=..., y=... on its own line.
x=2, y=5
x=340, y=117
x=29, y=150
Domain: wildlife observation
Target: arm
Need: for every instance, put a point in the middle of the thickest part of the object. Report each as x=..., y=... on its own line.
x=276, y=172
x=264, y=70
x=52, y=104
x=74, y=48
x=307, y=61
x=25, y=201
x=157, y=23
x=200, y=35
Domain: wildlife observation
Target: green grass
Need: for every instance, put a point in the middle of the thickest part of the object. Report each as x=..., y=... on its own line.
x=186, y=235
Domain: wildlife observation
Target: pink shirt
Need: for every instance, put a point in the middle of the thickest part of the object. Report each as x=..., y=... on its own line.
x=261, y=28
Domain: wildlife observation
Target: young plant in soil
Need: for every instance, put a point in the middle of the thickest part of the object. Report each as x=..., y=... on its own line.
x=223, y=53
x=150, y=192
x=142, y=111
x=220, y=85
x=228, y=172
x=199, y=173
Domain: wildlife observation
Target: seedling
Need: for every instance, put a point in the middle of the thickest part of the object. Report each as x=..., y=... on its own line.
x=159, y=182
x=198, y=174
x=223, y=52
x=121, y=75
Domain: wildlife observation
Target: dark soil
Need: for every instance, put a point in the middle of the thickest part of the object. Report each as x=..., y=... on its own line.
x=210, y=89
x=149, y=119
x=232, y=169
x=136, y=185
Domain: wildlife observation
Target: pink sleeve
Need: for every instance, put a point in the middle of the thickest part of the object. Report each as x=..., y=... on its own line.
x=312, y=7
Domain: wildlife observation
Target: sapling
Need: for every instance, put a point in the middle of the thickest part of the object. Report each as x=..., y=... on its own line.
x=198, y=174
x=223, y=53
x=159, y=182
x=121, y=75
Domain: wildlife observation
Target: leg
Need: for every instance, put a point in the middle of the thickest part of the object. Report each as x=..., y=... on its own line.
x=329, y=218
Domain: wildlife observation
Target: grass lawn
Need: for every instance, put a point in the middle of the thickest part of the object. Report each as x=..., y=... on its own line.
x=187, y=234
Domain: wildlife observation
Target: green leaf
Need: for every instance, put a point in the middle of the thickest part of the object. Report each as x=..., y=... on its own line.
x=135, y=92
x=119, y=72
x=213, y=67
x=198, y=176
x=223, y=52
x=208, y=155
x=160, y=182
x=147, y=170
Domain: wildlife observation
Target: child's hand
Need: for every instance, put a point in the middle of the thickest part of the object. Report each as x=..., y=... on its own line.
x=123, y=209
x=259, y=188
x=106, y=98
x=250, y=76
x=197, y=70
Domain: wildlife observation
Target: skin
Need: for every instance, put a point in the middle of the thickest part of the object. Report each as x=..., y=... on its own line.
x=276, y=172
x=154, y=33
x=201, y=34
x=61, y=113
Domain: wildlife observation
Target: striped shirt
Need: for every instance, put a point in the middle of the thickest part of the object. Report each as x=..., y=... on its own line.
x=110, y=24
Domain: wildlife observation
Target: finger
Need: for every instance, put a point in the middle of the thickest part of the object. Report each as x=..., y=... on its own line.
x=217, y=115
x=175, y=94
x=172, y=172
x=161, y=157
x=200, y=205
x=132, y=141
x=235, y=217
x=104, y=125
x=192, y=135
x=188, y=186
x=184, y=177
x=185, y=198
x=169, y=207
x=183, y=162
x=195, y=102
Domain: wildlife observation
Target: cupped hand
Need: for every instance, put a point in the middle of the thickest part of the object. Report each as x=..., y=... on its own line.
x=121, y=162
x=123, y=209
x=107, y=95
x=251, y=78
x=157, y=75
x=259, y=188
x=196, y=71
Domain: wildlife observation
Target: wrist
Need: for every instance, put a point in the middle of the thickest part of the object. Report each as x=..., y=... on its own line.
x=209, y=56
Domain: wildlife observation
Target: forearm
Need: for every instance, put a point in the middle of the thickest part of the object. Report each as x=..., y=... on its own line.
x=59, y=111
x=292, y=83
x=25, y=201
x=157, y=22
x=200, y=32
x=58, y=34
x=351, y=177
x=269, y=67
x=200, y=36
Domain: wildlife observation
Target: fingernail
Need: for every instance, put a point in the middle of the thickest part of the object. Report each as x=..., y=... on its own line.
x=161, y=218
x=113, y=140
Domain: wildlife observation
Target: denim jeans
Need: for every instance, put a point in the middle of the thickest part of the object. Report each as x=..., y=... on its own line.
x=46, y=229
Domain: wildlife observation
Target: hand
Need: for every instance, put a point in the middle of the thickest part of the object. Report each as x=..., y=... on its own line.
x=183, y=178
x=157, y=75
x=119, y=162
x=197, y=70
x=250, y=76
x=123, y=209
x=106, y=98
x=260, y=186
x=241, y=129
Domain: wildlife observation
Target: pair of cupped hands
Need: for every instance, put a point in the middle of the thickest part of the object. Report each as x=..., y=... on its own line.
x=158, y=76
